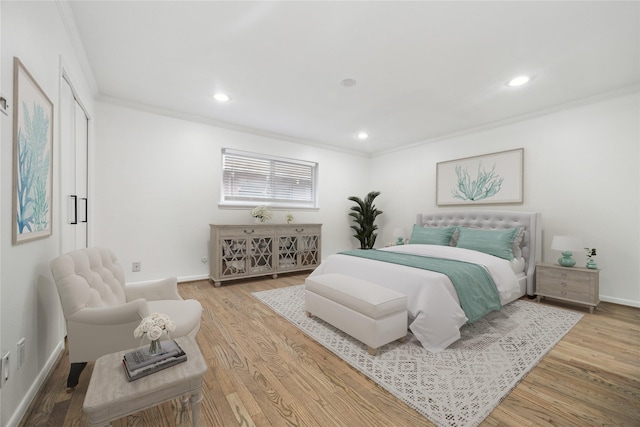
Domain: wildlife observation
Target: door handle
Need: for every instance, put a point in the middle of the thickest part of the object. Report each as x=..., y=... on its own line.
x=86, y=209
x=75, y=209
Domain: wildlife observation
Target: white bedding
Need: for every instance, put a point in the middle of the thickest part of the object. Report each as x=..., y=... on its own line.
x=433, y=305
x=518, y=265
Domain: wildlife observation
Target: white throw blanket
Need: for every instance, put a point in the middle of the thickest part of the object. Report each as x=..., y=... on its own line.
x=433, y=305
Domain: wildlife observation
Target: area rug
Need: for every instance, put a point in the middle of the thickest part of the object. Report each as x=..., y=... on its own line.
x=459, y=386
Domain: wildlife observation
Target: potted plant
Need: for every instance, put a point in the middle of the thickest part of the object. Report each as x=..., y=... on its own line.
x=591, y=252
x=364, y=215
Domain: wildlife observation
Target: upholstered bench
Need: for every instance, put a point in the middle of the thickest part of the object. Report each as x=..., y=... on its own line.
x=368, y=312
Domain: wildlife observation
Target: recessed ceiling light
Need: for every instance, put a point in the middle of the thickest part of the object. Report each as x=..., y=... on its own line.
x=348, y=82
x=222, y=97
x=518, y=81
x=363, y=135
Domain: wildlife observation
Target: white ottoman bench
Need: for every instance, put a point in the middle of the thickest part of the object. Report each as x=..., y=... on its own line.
x=368, y=312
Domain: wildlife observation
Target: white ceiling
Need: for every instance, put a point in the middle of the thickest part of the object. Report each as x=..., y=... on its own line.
x=424, y=70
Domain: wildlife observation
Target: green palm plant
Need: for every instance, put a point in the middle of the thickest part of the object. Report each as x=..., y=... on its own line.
x=364, y=215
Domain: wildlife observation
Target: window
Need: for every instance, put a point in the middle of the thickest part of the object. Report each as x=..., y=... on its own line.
x=250, y=179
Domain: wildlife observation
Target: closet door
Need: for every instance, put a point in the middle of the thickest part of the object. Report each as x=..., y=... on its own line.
x=82, y=177
x=73, y=171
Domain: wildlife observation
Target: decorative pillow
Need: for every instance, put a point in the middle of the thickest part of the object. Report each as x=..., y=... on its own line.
x=493, y=242
x=517, y=243
x=454, y=237
x=431, y=235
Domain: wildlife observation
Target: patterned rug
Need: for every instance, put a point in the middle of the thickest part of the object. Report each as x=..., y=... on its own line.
x=459, y=386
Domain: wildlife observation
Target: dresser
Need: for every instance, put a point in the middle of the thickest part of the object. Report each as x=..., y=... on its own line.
x=251, y=250
x=572, y=284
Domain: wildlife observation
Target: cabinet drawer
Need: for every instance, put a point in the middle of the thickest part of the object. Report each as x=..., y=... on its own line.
x=245, y=231
x=297, y=229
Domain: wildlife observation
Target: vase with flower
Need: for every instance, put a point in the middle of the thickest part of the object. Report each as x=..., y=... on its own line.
x=153, y=327
x=591, y=252
x=261, y=214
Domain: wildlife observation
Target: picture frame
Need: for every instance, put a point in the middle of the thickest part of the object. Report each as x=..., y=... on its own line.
x=32, y=205
x=486, y=179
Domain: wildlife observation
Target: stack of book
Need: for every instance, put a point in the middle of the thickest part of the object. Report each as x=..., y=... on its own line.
x=139, y=363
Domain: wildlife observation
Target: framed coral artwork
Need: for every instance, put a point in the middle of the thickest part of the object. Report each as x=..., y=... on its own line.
x=489, y=178
x=32, y=158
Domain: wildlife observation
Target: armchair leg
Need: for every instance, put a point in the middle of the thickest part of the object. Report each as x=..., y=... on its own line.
x=74, y=375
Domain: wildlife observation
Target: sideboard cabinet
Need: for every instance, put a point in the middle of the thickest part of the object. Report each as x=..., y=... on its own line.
x=242, y=251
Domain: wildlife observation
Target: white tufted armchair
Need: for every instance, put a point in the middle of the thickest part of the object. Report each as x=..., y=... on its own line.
x=101, y=312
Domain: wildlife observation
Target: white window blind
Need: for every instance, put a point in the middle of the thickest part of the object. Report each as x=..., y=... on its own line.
x=252, y=179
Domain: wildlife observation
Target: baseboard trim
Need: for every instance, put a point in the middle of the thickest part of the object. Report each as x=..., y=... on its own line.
x=40, y=380
x=620, y=301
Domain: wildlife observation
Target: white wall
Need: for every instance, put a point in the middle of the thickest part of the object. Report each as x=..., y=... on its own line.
x=30, y=308
x=157, y=188
x=580, y=172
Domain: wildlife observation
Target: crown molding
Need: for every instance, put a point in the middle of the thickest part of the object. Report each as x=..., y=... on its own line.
x=69, y=21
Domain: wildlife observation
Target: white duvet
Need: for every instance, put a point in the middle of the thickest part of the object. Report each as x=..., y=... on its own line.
x=435, y=314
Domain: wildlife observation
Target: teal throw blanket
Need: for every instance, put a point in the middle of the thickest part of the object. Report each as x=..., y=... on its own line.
x=476, y=290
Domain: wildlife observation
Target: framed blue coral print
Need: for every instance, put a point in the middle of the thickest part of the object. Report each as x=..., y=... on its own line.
x=489, y=178
x=32, y=158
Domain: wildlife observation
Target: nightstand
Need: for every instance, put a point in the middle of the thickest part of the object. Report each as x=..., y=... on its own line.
x=573, y=284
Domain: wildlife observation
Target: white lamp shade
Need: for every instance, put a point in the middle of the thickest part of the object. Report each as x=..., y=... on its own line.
x=566, y=243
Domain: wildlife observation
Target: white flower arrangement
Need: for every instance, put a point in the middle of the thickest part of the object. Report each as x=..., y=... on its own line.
x=154, y=326
x=262, y=213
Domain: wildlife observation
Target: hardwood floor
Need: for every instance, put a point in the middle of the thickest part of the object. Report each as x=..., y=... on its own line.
x=264, y=372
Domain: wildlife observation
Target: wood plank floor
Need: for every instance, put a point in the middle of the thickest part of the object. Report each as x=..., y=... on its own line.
x=265, y=372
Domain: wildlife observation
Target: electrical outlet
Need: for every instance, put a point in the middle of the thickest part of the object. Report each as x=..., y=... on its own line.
x=5, y=367
x=136, y=266
x=21, y=352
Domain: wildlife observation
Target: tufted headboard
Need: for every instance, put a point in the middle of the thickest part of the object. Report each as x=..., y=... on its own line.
x=492, y=220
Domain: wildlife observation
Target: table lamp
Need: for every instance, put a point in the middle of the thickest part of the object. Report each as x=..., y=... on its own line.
x=567, y=245
x=399, y=234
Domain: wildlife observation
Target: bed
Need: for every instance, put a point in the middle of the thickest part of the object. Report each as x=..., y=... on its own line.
x=478, y=237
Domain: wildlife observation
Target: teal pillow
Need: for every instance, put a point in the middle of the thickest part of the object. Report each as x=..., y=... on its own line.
x=431, y=235
x=493, y=242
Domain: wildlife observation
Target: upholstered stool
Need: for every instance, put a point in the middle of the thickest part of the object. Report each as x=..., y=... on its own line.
x=368, y=312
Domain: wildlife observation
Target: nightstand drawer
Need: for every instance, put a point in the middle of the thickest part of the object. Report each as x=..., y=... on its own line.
x=565, y=274
x=565, y=289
